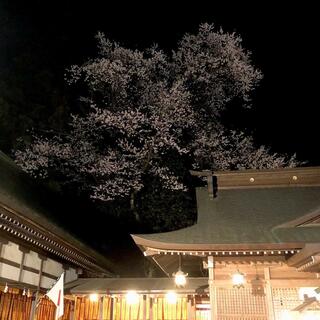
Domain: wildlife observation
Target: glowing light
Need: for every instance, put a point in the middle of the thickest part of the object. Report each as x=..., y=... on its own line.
x=238, y=279
x=132, y=297
x=171, y=297
x=285, y=315
x=6, y=288
x=309, y=316
x=94, y=297
x=180, y=278
x=24, y=292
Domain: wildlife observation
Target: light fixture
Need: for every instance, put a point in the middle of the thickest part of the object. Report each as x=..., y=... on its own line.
x=94, y=297
x=257, y=285
x=180, y=278
x=6, y=288
x=238, y=279
x=171, y=297
x=132, y=297
x=24, y=292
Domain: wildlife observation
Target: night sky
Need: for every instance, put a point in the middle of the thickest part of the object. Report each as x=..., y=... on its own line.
x=283, y=41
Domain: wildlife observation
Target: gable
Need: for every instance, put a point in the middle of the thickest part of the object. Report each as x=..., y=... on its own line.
x=307, y=220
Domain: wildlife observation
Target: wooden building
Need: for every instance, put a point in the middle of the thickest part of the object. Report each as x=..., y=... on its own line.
x=258, y=238
x=34, y=251
x=253, y=254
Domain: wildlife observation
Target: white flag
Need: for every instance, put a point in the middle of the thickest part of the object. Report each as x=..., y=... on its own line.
x=56, y=295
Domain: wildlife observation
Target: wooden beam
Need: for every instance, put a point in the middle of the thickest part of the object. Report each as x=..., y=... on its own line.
x=3, y=240
x=26, y=268
x=269, y=296
x=289, y=283
x=304, y=176
x=304, y=255
x=212, y=292
x=21, y=266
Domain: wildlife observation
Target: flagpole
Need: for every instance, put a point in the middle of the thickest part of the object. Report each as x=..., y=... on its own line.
x=35, y=301
x=56, y=295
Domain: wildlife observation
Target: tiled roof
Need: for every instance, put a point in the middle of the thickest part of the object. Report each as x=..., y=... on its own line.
x=27, y=213
x=245, y=218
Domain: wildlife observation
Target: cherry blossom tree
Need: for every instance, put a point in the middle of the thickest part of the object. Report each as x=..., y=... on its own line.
x=144, y=111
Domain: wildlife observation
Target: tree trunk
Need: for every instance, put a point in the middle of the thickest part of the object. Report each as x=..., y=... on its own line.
x=133, y=206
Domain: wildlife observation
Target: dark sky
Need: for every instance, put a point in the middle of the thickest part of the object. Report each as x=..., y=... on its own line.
x=283, y=40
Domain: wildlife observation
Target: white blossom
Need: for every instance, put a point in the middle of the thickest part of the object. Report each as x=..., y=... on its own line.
x=144, y=110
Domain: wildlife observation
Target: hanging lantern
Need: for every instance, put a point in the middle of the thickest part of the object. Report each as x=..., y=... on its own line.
x=24, y=292
x=6, y=288
x=257, y=287
x=180, y=278
x=238, y=279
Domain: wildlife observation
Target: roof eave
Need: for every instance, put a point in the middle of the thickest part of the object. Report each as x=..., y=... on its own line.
x=145, y=244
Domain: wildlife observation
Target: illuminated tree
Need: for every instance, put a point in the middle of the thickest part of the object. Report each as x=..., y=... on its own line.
x=144, y=111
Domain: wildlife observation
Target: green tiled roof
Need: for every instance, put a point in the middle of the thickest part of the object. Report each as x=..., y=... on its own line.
x=246, y=216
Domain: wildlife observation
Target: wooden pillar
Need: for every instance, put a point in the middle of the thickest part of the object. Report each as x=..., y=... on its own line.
x=42, y=259
x=189, y=308
x=101, y=302
x=144, y=307
x=73, y=315
x=24, y=251
x=212, y=293
x=269, y=298
x=2, y=243
x=112, y=302
x=151, y=309
x=33, y=306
